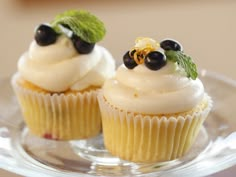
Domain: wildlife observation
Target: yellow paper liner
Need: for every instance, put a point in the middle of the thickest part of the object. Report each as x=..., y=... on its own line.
x=144, y=138
x=59, y=116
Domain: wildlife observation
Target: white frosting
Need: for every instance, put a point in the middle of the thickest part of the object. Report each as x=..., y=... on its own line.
x=58, y=67
x=164, y=91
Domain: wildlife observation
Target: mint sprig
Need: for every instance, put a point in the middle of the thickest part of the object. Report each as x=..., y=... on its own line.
x=85, y=25
x=184, y=62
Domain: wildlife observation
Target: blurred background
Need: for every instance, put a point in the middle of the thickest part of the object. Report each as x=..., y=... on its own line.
x=205, y=28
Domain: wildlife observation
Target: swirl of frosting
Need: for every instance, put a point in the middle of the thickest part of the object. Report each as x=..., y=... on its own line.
x=58, y=67
x=142, y=90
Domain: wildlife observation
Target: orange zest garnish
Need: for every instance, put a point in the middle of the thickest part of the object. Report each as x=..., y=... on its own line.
x=143, y=46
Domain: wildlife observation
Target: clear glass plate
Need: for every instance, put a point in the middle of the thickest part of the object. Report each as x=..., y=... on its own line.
x=25, y=154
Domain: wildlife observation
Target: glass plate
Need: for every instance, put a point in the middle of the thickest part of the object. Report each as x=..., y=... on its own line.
x=25, y=154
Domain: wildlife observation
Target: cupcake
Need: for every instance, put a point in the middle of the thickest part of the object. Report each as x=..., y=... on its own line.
x=58, y=78
x=154, y=106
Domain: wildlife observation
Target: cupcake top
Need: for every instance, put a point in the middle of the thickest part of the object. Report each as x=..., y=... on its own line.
x=156, y=78
x=64, y=54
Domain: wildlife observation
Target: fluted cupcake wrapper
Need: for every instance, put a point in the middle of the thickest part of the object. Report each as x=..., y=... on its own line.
x=144, y=138
x=60, y=116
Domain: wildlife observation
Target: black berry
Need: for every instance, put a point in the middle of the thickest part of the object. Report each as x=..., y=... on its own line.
x=169, y=44
x=128, y=61
x=155, y=60
x=45, y=35
x=82, y=46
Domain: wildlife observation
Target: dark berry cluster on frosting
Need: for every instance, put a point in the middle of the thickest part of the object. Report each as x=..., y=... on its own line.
x=45, y=35
x=85, y=30
x=145, y=51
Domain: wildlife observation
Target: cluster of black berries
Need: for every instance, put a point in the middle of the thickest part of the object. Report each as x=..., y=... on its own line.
x=154, y=60
x=45, y=35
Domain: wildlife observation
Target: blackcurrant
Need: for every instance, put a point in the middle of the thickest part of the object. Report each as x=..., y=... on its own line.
x=45, y=35
x=170, y=44
x=82, y=46
x=155, y=60
x=128, y=61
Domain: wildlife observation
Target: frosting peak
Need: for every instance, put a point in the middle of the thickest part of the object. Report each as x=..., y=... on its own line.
x=164, y=91
x=58, y=67
x=46, y=54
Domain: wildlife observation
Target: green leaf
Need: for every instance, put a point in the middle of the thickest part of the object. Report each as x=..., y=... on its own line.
x=184, y=62
x=82, y=23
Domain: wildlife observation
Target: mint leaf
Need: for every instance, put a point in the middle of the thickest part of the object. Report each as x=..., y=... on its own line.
x=82, y=23
x=184, y=62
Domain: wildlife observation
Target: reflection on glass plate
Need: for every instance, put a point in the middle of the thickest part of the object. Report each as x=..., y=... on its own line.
x=25, y=154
